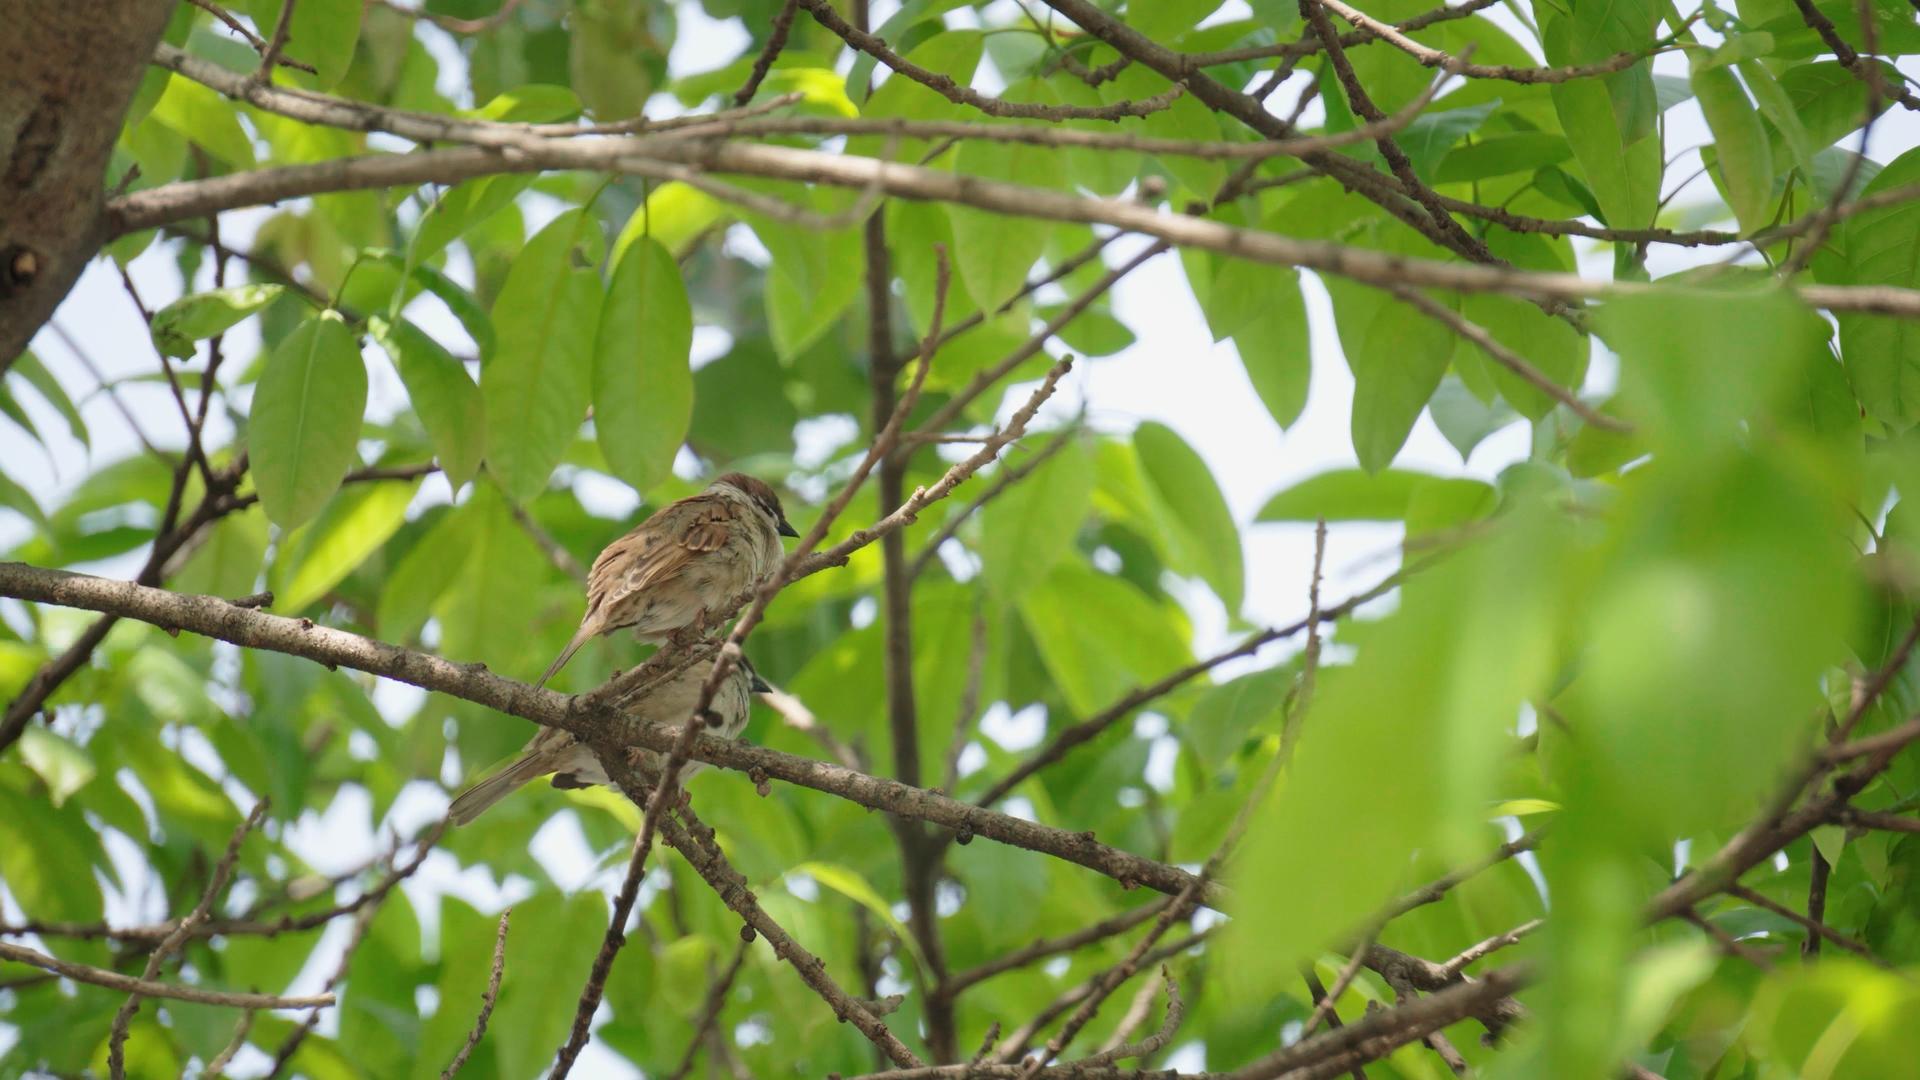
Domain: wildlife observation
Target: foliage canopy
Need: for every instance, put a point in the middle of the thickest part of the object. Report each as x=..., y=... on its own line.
x=1648, y=692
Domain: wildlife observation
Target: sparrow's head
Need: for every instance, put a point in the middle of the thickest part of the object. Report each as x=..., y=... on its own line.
x=754, y=682
x=762, y=496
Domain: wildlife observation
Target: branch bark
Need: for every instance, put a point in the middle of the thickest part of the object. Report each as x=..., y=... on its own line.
x=66, y=79
x=217, y=618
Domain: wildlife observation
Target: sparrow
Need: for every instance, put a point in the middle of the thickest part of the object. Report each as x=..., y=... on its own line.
x=677, y=566
x=573, y=765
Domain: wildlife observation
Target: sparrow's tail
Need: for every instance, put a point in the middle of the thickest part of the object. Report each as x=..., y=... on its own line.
x=475, y=800
x=580, y=637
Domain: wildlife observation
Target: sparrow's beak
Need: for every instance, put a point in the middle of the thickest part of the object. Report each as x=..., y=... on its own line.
x=788, y=530
x=757, y=684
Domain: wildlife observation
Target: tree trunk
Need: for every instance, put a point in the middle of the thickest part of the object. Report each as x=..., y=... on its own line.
x=68, y=69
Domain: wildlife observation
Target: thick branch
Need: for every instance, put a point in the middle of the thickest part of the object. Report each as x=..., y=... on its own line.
x=199, y=198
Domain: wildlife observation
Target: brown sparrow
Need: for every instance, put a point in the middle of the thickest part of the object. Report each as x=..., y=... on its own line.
x=574, y=766
x=674, y=568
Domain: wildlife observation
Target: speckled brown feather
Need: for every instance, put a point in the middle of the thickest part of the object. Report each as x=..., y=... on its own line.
x=663, y=574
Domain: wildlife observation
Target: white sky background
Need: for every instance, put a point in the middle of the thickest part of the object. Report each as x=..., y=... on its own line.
x=1173, y=374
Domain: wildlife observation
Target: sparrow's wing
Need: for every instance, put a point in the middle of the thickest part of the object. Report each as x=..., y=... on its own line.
x=656, y=551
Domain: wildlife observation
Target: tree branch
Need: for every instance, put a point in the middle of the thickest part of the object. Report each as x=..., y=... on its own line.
x=217, y=618
x=113, y=980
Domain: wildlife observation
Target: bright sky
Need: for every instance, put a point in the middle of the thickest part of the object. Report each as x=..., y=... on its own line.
x=1173, y=374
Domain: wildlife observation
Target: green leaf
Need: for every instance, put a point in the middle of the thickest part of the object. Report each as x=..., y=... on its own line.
x=332, y=547
x=1554, y=348
x=549, y=949
x=534, y=103
x=1030, y=527
x=1609, y=121
x=1240, y=292
x=1428, y=138
x=851, y=885
x=62, y=766
x=1097, y=634
x=29, y=367
x=1502, y=155
x=675, y=215
x=1777, y=106
x=642, y=385
x=461, y=208
x=228, y=562
x=1744, y=160
x=1193, y=512
x=1463, y=419
x=1840, y=1017
x=305, y=419
x=1429, y=701
x=423, y=575
x=1226, y=715
x=815, y=276
x=441, y=393
x=1276, y=351
x=45, y=860
x=203, y=117
x=1166, y=20
x=993, y=252
x=1397, y=356
x=203, y=315
x=536, y=389
x=1696, y=366
x=1882, y=247
x=613, y=57
x=1829, y=99
x=1387, y=495
x=19, y=499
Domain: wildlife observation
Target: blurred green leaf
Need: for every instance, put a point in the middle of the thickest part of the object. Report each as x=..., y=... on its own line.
x=203, y=315
x=1098, y=634
x=550, y=948
x=1030, y=527
x=1193, y=512
x=62, y=766
x=328, y=550
x=1742, y=157
x=29, y=367
x=1356, y=495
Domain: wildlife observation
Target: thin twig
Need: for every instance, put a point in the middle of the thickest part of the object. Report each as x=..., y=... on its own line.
x=271, y=54
x=224, y=1058
x=1482, y=949
x=616, y=935
x=710, y=1011
x=247, y=35
x=1507, y=358
x=776, y=41
x=1818, y=928
x=1005, y=477
x=946, y=87
x=216, y=885
x=487, y=998
x=113, y=980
